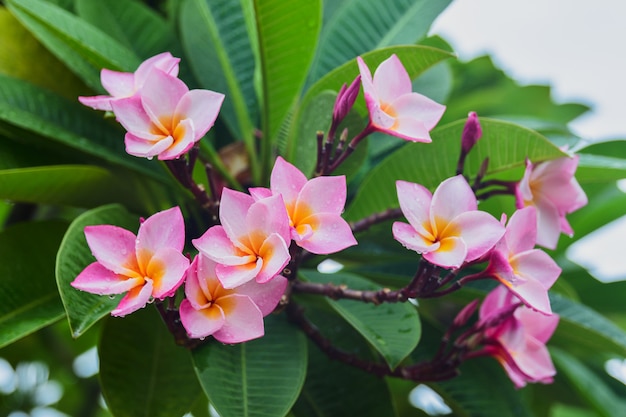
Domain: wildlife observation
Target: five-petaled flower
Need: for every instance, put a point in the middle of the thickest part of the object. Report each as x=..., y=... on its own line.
x=165, y=118
x=526, y=271
x=229, y=315
x=314, y=208
x=445, y=227
x=149, y=265
x=552, y=188
x=252, y=240
x=393, y=107
x=126, y=84
x=518, y=342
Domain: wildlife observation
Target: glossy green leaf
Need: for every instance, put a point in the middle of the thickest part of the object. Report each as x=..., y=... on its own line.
x=588, y=385
x=287, y=33
x=73, y=185
x=360, y=26
x=30, y=299
x=216, y=41
x=482, y=390
x=507, y=146
x=393, y=329
x=46, y=115
x=143, y=373
x=599, y=169
x=84, y=309
x=260, y=378
x=83, y=48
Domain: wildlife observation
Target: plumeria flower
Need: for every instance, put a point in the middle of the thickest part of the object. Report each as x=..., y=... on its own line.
x=149, y=265
x=393, y=107
x=165, y=118
x=445, y=227
x=525, y=271
x=126, y=84
x=552, y=188
x=229, y=315
x=251, y=242
x=519, y=342
x=314, y=208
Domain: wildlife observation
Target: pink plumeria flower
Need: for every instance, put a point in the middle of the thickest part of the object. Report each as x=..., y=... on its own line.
x=525, y=271
x=229, y=315
x=165, y=118
x=149, y=265
x=393, y=107
x=445, y=227
x=552, y=188
x=519, y=342
x=251, y=242
x=314, y=208
x=126, y=84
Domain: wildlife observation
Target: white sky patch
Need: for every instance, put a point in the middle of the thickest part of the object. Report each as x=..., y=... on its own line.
x=328, y=266
x=424, y=398
x=87, y=363
x=616, y=368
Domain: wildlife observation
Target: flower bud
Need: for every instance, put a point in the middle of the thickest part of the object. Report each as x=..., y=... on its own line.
x=471, y=132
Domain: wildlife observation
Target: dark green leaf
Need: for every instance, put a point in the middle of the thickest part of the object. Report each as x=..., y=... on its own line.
x=84, y=309
x=30, y=299
x=142, y=371
x=260, y=378
x=393, y=329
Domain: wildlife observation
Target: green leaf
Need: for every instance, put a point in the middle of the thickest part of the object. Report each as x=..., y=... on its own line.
x=260, y=378
x=507, y=146
x=142, y=371
x=393, y=329
x=360, y=26
x=83, y=48
x=580, y=327
x=588, y=385
x=287, y=33
x=216, y=41
x=84, y=309
x=30, y=299
x=47, y=115
x=599, y=169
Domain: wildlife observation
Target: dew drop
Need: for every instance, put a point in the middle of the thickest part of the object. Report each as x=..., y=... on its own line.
x=149, y=158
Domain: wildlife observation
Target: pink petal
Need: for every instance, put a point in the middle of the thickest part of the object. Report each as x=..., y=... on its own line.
x=201, y=106
x=259, y=193
x=136, y=298
x=331, y=234
x=160, y=95
x=537, y=265
x=143, y=148
x=381, y=120
x=497, y=300
x=202, y=322
x=266, y=217
x=391, y=80
x=451, y=253
x=415, y=201
x=163, y=61
x=118, y=84
x=324, y=195
x=266, y=296
x=537, y=326
x=96, y=279
x=185, y=134
x=244, y=320
x=163, y=229
x=451, y=198
x=167, y=270
x=410, y=239
x=548, y=224
x=479, y=230
x=97, y=102
x=535, y=361
x=114, y=248
x=275, y=255
x=234, y=207
x=533, y=294
x=130, y=113
x=521, y=232
x=236, y=275
x=216, y=245
x=409, y=129
x=287, y=180
x=196, y=286
x=366, y=79
x=419, y=108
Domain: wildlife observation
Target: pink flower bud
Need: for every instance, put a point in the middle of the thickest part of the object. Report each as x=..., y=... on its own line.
x=471, y=132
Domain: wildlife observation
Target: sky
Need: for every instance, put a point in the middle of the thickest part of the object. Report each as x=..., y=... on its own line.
x=577, y=47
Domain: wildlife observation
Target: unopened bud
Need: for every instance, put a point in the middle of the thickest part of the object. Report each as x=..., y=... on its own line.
x=345, y=99
x=465, y=314
x=471, y=132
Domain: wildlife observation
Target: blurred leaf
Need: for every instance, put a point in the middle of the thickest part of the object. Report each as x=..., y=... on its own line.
x=64, y=122
x=216, y=40
x=599, y=169
x=615, y=148
x=83, y=48
x=142, y=371
x=507, y=146
x=393, y=329
x=30, y=299
x=84, y=309
x=357, y=27
x=261, y=378
x=588, y=385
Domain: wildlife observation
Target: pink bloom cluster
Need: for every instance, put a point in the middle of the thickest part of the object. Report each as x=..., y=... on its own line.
x=161, y=115
x=518, y=341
